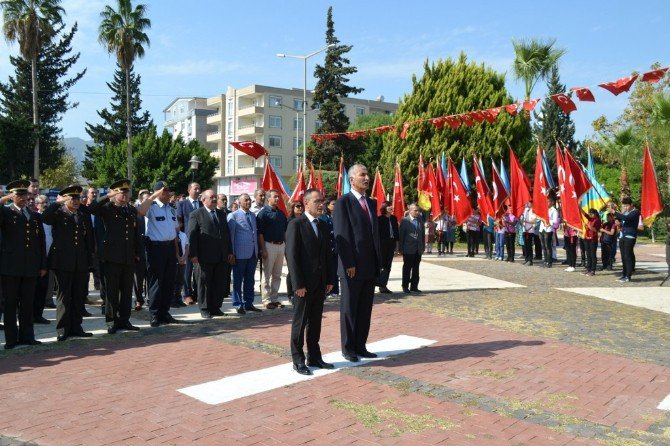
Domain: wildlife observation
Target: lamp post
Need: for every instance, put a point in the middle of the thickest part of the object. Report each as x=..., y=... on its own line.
x=304, y=97
x=195, y=164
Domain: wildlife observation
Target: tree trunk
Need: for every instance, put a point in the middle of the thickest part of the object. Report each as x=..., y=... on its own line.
x=36, y=119
x=128, y=126
x=623, y=183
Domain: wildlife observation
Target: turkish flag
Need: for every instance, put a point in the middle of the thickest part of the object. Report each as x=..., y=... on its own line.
x=491, y=114
x=570, y=209
x=467, y=119
x=453, y=122
x=340, y=178
x=483, y=193
x=438, y=122
x=519, y=185
x=299, y=190
x=271, y=181
x=499, y=192
x=441, y=180
x=398, y=194
x=650, y=202
x=312, y=176
x=564, y=101
x=460, y=202
x=584, y=94
x=512, y=109
x=654, y=76
x=319, y=182
x=530, y=104
x=251, y=148
x=378, y=192
x=578, y=178
x=384, y=129
x=540, y=190
x=434, y=192
x=477, y=116
x=403, y=133
x=619, y=86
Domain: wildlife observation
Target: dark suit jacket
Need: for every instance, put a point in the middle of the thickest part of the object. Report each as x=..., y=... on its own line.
x=184, y=210
x=23, y=248
x=309, y=258
x=72, y=246
x=412, y=238
x=356, y=237
x=121, y=242
x=384, y=229
x=207, y=241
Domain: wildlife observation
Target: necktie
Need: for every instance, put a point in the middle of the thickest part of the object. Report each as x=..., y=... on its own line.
x=315, y=227
x=26, y=214
x=364, y=204
x=249, y=221
x=214, y=217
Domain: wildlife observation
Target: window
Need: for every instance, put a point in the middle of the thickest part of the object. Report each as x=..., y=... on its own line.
x=360, y=111
x=297, y=104
x=275, y=161
x=296, y=162
x=317, y=125
x=296, y=143
x=274, y=141
x=275, y=122
x=316, y=106
x=229, y=166
x=230, y=108
x=229, y=128
x=275, y=101
x=297, y=124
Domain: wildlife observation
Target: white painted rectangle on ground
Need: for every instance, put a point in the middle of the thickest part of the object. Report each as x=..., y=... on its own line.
x=665, y=404
x=652, y=298
x=442, y=278
x=257, y=381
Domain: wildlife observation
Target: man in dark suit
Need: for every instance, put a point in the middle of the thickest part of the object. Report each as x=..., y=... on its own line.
x=357, y=238
x=388, y=239
x=210, y=251
x=411, y=246
x=70, y=257
x=313, y=274
x=120, y=253
x=184, y=210
x=22, y=261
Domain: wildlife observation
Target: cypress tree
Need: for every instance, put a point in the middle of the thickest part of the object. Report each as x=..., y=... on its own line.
x=551, y=123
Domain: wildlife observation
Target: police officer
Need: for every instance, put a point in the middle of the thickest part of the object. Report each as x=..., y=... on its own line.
x=162, y=247
x=70, y=257
x=120, y=247
x=22, y=260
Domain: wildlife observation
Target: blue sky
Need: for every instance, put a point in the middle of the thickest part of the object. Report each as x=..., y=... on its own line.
x=200, y=47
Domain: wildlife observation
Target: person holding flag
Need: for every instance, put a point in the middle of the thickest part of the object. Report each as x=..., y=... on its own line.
x=629, y=220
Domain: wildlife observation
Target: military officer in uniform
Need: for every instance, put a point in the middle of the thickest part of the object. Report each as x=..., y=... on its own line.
x=120, y=252
x=70, y=257
x=162, y=247
x=22, y=260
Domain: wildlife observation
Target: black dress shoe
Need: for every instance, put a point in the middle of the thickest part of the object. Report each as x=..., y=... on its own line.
x=217, y=312
x=320, y=364
x=85, y=313
x=111, y=330
x=42, y=320
x=205, y=315
x=81, y=334
x=367, y=354
x=302, y=369
x=154, y=322
x=241, y=311
x=254, y=309
x=416, y=291
x=350, y=358
x=31, y=342
x=178, y=304
x=10, y=345
x=51, y=305
x=61, y=338
x=385, y=290
x=405, y=290
x=170, y=320
x=128, y=326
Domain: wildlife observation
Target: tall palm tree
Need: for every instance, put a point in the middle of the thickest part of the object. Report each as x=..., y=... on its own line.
x=533, y=60
x=660, y=124
x=121, y=32
x=31, y=23
x=622, y=148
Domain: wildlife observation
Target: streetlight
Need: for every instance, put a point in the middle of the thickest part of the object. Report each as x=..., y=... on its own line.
x=297, y=133
x=304, y=98
x=195, y=164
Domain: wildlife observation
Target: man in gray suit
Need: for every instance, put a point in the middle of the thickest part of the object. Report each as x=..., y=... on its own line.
x=210, y=251
x=411, y=246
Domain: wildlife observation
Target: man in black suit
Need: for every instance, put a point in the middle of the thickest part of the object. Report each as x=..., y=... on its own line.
x=222, y=205
x=210, y=251
x=411, y=246
x=313, y=274
x=22, y=261
x=357, y=238
x=388, y=239
x=184, y=210
x=70, y=257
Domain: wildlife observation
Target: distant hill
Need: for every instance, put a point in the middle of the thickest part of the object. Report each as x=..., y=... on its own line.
x=77, y=146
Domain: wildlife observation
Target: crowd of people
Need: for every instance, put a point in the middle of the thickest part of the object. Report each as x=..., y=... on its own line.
x=172, y=251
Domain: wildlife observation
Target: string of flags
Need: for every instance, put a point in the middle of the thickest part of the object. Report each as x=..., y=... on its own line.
x=468, y=119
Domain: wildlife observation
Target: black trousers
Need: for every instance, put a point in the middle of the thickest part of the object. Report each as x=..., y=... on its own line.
x=528, y=243
x=209, y=277
x=119, y=285
x=537, y=242
x=510, y=242
x=582, y=250
x=139, y=285
x=591, y=259
x=355, y=313
x=161, y=270
x=606, y=256
x=72, y=288
x=227, y=270
x=19, y=295
x=547, y=239
x=570, y=244
x=410, y=270
x=307, y=314
x=387, y=250
x=41, y=288
x=190, y=279
x=103, y=288
x=473, y=242
x=626, y=246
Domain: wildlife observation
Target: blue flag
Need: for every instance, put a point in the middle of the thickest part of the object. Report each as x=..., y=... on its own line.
x=346, y=185
x=503, y=175
x=596, y=197
x=464, y=175
x=547, y=171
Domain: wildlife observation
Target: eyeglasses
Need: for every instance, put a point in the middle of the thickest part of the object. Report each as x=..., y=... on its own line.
x=298, y=206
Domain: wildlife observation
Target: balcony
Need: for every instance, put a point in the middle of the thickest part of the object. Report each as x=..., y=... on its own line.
x=214, y=136
x=249, y=130
x=250, y=110
x=249, y=170
x=214, y=118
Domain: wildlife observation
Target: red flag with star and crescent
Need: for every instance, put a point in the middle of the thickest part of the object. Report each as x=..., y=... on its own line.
x=564, y=101
x=584, y=94
x=580, y=182
x=500, y=193
x=271, y=181
x=460, y=202
x=483, y=194
x=251, y=148
x=299, y=190
x=398, y=194
x=619, y=86
x=570, y=210
x=519, y=185
x=378, y=191
x=650, y=202
x=434, y=192
x=540, y=190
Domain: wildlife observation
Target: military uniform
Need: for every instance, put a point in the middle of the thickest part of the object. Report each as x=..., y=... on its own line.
x=70, y=257
x=120, y=250
x=22, y=257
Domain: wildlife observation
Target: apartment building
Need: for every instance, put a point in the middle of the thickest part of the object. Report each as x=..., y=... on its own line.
x=188, y=117
x=272, y=117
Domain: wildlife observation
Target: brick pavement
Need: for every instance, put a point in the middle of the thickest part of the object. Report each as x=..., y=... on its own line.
x=480, y=384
